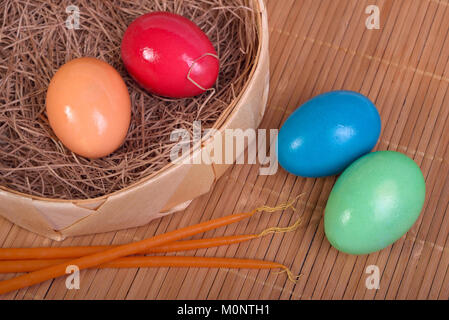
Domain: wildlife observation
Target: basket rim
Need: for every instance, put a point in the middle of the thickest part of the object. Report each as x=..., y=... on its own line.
x=258, y=5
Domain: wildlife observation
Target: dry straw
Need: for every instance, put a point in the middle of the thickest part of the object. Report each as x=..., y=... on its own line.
x=34, y=43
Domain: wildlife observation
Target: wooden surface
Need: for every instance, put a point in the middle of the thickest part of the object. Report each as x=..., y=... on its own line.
x=316, y=46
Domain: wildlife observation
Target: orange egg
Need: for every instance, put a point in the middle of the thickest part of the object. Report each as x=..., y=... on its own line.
x=89, y=107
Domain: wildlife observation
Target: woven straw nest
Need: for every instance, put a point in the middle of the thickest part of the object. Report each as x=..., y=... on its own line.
x=34, y=43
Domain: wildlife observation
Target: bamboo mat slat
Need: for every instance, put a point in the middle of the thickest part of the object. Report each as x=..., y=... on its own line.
x=315, y=46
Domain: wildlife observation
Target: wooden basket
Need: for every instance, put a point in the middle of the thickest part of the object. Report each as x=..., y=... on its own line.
x=167, y=191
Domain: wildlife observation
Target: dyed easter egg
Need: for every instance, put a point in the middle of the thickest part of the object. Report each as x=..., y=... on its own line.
x=88, y=107
x=327, y=133
x=374, y=203
x=169, y=55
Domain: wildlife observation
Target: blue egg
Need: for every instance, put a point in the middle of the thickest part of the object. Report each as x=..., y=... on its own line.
x=326, y=134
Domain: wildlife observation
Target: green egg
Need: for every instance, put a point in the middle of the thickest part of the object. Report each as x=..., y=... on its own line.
x=374, y=203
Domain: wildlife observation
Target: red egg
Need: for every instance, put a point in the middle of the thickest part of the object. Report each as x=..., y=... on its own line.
x=169, y=55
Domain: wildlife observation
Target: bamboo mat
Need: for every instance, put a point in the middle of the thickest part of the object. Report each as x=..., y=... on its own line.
x=316, y=46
